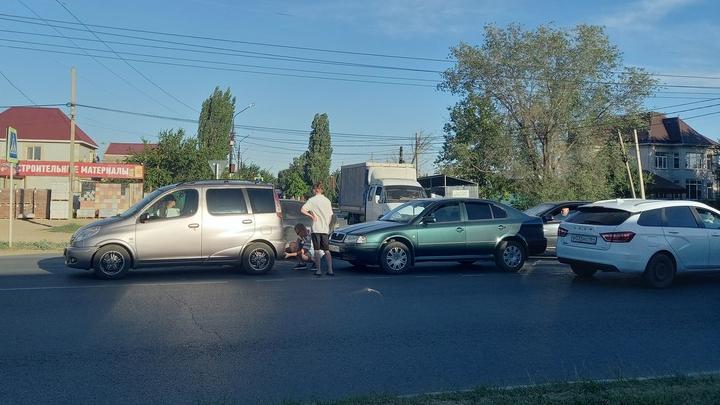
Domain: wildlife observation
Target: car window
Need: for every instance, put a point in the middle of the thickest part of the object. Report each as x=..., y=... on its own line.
x=498, y=212
x=226, y=201
x=651, y=218
x=538, y=209
x=477, y=211
x=708, y=218
x=178, y=204
x=262, y=200
x=679, y=217
x=448, y=213
x=599, y=216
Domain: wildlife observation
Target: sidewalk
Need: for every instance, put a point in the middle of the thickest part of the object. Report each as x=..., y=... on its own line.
x=33, y=231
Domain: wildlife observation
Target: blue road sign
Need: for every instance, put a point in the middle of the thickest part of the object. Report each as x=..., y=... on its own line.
x=11, y=152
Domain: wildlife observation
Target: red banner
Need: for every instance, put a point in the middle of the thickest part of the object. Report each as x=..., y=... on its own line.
x=82, y=169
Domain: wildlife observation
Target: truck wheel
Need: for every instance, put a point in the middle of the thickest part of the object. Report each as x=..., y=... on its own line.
x=258, y=258
x=111, y=262
x=395, y=258
x=510, y=255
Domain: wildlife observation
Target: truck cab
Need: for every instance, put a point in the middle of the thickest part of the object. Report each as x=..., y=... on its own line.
x=384, y=195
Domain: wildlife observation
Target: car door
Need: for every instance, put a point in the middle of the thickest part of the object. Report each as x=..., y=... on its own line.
x=483, y=230
x=444, y=234
x=711, y=223
x=553, y=220
x=228, y=224
x=160, y=237
x=687, y=239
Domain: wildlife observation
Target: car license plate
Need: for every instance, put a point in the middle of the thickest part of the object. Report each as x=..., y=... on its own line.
x=335, y=248
x=590, y=240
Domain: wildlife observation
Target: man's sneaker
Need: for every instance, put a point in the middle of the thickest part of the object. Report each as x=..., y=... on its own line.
x=300, y=267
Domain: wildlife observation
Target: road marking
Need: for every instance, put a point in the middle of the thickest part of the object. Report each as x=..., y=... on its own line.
x=67, y=287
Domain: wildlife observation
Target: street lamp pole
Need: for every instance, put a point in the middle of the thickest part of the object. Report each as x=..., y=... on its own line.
x=232, y=134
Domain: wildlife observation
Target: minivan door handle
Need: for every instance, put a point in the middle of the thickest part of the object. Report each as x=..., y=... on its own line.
x=247, y=221
x=501, y=227
x=193, y=226
x=459, y=229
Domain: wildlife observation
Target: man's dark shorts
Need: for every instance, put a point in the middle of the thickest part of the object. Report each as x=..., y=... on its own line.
x=320, y=241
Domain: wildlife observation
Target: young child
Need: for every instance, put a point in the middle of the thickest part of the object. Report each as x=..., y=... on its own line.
x=301, y=248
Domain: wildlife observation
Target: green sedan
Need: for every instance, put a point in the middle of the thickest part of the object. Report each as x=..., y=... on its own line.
x=453, y=229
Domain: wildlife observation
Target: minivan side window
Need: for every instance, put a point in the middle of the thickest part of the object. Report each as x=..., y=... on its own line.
x=651, y=218
x=680, y=217
x=477, y=211
x=226, y=201
x=178, y=204
x=262, y=200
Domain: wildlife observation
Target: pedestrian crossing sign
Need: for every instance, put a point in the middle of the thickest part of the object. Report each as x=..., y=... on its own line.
x=11, y=146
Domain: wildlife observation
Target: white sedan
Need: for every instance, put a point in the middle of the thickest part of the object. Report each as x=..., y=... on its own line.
x=652, y=238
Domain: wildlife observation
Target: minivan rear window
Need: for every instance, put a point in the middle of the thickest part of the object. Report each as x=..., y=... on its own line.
x=262, y=200
x=599, y=216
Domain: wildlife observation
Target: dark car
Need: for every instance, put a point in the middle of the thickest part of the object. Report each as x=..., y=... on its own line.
x=291, y=215
x=455, y=229
x=551, y=214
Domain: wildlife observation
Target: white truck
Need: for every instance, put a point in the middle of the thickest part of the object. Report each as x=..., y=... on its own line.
x=369, y=190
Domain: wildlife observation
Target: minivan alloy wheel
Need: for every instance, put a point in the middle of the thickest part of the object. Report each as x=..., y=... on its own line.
x=112, y=262
x=259, y=259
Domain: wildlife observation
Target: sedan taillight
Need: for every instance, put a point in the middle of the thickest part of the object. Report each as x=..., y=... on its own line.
x=562, y=232
x=618, y=237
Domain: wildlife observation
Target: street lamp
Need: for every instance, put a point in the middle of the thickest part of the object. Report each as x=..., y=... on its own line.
x=232, y=135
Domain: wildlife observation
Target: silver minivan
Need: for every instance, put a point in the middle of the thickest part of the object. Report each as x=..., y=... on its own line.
x=202, y=222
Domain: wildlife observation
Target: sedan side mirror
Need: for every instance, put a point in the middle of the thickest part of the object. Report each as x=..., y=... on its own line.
x=144, y=218
x=429, y=219
x=547, y=218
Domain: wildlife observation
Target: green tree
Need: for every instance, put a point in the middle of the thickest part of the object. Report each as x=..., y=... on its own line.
x=319, y=154
x=559, y=93
x=292, y=180
x=214, y=125
x=477, y=148
x=253, y=172
x=173, y=160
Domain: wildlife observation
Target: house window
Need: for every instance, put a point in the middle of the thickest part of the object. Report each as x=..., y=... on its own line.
x=33, y=153
x=709, y=160
x=710, y=191
x=693, y=160
x=661, y=160
x=676, y=160
x=693, y=189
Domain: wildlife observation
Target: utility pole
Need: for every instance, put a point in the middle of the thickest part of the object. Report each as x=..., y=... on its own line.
x=640, y=171
x=627, y=165
x=73, y=116
x=416, y=158
x=402, y=157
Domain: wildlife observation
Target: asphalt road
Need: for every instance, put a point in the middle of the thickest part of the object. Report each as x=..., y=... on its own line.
x=212, y=335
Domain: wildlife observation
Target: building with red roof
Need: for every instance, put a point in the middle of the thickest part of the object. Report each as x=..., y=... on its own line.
x=118, y=152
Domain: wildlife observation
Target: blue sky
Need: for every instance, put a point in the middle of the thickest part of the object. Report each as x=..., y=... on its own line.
x=665, y=36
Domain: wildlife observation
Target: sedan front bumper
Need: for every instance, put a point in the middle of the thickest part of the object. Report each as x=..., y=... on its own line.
x=79, y=258
x=362, y=253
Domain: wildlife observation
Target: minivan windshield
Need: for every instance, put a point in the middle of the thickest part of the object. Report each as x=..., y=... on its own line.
x=406, y=212
x=142, y=203
x=403, y=193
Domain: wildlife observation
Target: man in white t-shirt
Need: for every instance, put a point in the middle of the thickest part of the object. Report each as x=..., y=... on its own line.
x=319, y=209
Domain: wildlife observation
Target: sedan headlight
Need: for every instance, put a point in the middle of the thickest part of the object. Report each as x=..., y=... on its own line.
x=85, y=233
x=357, y=239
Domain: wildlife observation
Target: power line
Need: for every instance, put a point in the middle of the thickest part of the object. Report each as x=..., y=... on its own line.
x=123, y=79
x=126, y=62
x=221, y=68
x=303, y=48
x=249, y=54
x=17, y=88
x=203, y=60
